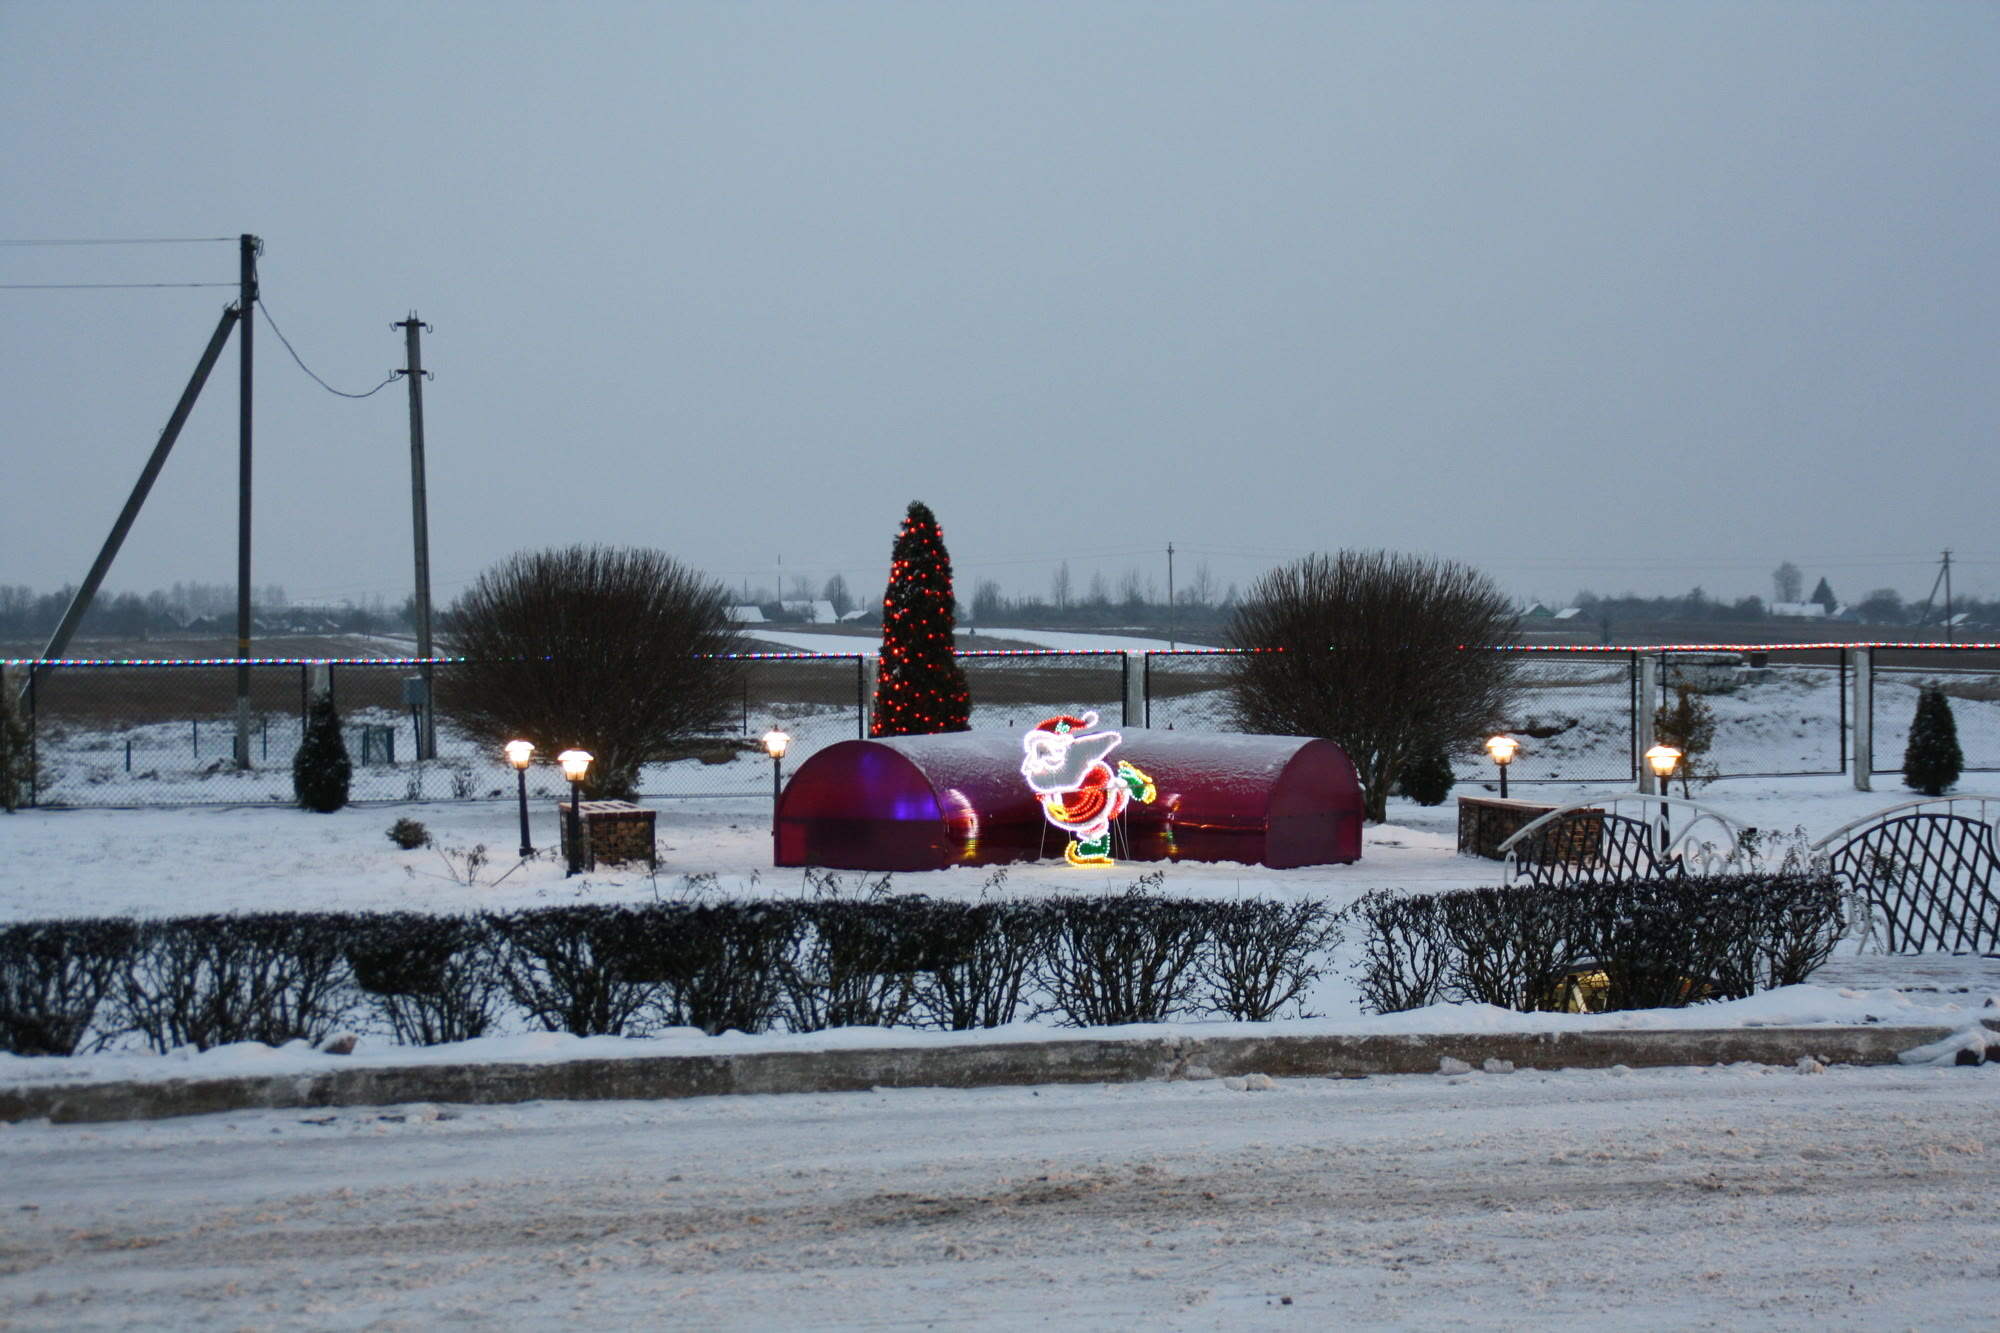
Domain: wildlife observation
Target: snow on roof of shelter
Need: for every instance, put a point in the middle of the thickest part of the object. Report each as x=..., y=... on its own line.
x=1799, y=610
x=747, y=615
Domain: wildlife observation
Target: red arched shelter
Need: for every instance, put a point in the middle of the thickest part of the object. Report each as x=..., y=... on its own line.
x=930, y=802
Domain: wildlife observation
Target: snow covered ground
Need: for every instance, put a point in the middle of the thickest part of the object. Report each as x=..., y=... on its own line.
x=258, y=858
x=1738, y=1197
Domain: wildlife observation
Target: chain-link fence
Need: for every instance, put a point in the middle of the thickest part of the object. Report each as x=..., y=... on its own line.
x=1190, y=690
x=165, y=733
x=1572, y=717
x=1013, y=691
x=1970, y=679
x=1778, y=712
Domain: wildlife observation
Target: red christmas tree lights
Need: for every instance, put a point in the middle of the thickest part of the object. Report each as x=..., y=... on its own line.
x=920, y=688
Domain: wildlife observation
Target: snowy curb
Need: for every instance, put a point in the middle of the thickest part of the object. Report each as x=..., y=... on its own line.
x=1067, y=1060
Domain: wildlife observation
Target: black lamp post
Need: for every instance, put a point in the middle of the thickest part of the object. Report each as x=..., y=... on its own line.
x=1662, y=759
x=575, y=765
x=775, y=744
x=1502, y=749
x=518, y=754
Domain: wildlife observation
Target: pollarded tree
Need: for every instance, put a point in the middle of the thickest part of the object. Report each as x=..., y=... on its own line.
x=1381, y=652
x=920, y=688
x=1932, y=760
x=614, y=650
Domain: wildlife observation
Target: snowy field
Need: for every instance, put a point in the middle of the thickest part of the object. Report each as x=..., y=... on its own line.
x=1742, y=1197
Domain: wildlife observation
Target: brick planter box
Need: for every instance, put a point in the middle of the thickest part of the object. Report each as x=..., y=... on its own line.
x=1484, y=822
x=614, y=832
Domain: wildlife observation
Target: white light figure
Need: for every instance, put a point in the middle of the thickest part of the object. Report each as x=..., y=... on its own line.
x=1080, y=793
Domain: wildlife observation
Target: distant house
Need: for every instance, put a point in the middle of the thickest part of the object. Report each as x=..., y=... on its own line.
x=746, y=615
x=1568, y=613
x=1798, y=611
x=811, y=612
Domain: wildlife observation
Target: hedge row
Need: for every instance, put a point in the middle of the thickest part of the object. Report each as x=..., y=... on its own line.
x=1635, y=944
x=627, y=970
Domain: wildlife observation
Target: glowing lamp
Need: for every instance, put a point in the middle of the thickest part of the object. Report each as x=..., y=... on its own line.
x=519, y=752
x=776, y=742
x=575, y=764
x=1502, y=749
x=1662, y=759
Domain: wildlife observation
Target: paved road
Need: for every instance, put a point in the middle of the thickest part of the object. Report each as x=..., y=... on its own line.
x=1741, y=1197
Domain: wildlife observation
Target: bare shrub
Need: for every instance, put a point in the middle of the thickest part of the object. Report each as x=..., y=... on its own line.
x=1380, y=652
x=1262, y=955
x=53, y=976
x=614, y=650
x=208, y=981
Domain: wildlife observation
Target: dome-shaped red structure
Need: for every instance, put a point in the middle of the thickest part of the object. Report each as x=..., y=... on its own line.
x=930, y=802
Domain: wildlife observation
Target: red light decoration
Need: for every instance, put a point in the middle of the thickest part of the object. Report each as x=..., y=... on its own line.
x=920, y=688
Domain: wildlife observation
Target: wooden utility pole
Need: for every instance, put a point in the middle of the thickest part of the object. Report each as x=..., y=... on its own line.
x=246, y=300
x=1943, y=578
x=420, y=516
x=1173, y=611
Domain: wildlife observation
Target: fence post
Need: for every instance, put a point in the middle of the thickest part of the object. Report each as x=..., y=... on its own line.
x=864, y=698
x=34, y=742
x=1135, y=687
x=1864, y=719
x=1642, y=720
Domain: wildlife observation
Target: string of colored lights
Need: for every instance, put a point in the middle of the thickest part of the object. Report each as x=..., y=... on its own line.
x=1566, y=649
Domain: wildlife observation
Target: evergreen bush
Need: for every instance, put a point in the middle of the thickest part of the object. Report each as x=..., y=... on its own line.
x=1428, y=778
x=1932, y=760
x=321, y=770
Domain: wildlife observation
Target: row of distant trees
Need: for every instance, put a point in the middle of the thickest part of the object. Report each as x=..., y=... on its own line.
x=1882, y=606
x=190, y=608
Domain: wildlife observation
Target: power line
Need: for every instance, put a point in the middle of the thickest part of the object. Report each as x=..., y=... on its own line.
x=145, y=240
x=80, y=286
x=308, y=369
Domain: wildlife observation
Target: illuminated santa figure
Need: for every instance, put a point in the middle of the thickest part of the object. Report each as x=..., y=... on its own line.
x=1080, y=793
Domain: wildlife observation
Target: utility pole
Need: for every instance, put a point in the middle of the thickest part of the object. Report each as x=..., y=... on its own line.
x=1173, y=612
x=248, y=247
x=1943, y=578
x=420, y=507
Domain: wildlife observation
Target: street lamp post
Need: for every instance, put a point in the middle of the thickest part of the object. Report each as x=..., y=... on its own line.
x=575, y=765
x=1502, y=749
x=518, y=754
x=775, y=744
x=1662, y=759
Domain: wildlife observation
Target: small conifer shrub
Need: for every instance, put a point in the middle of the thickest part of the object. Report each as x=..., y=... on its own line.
x=321, y=769
x=1428, y=779
x=1932, y=761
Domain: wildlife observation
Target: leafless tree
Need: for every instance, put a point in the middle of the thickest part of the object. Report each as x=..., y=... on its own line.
x=1059, y=587
x=609, y=649
x=1377, y=651
x=1787, y=582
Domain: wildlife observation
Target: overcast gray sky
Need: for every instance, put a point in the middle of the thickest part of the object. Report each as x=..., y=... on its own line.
x=1607, y=296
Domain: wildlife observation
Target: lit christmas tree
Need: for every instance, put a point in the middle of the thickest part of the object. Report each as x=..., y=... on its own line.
x=921, y=687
